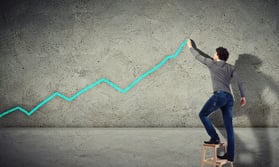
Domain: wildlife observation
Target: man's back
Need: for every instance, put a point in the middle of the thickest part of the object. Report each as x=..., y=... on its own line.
x=221, y=73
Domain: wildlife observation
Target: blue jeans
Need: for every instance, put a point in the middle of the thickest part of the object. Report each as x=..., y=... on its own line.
x=224, y=101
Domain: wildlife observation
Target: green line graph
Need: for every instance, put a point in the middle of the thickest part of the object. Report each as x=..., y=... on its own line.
x=102, y=80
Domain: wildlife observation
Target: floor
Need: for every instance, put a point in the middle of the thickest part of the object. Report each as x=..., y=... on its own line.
x=129, y=147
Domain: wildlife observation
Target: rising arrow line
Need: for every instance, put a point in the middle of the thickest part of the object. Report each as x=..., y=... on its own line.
x=28, y=113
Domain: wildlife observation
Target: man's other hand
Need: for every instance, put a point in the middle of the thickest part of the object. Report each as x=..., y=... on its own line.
x=242, y=101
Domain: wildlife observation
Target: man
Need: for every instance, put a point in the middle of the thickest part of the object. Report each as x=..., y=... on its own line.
x=221, y=75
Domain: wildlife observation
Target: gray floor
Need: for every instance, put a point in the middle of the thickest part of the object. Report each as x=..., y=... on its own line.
x=128, y=147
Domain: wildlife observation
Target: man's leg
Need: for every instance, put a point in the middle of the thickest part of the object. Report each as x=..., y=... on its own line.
x=227, y=112
x=213, y=103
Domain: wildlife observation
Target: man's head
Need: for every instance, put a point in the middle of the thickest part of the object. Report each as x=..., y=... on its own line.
x=221, y=54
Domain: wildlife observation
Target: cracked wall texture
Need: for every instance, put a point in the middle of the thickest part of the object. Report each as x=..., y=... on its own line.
x=64, y=46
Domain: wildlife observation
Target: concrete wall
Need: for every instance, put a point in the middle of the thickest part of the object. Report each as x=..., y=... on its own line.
x=64, y=46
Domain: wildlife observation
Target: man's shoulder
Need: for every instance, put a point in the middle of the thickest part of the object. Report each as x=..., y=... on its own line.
x=230, y=66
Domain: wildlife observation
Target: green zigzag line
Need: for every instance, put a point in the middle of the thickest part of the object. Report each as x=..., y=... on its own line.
x=102, y=80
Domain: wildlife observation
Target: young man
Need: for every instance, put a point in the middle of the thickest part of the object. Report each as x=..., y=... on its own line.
x=221, y=76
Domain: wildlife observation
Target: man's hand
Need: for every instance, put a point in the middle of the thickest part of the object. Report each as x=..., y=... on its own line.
x=189, y=43
x=242, y=101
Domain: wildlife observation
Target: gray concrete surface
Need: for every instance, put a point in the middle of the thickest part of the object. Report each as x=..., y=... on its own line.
x=48, y=46
x=129, y=147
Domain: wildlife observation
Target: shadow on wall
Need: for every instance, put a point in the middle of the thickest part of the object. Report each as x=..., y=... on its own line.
x=256, y=110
